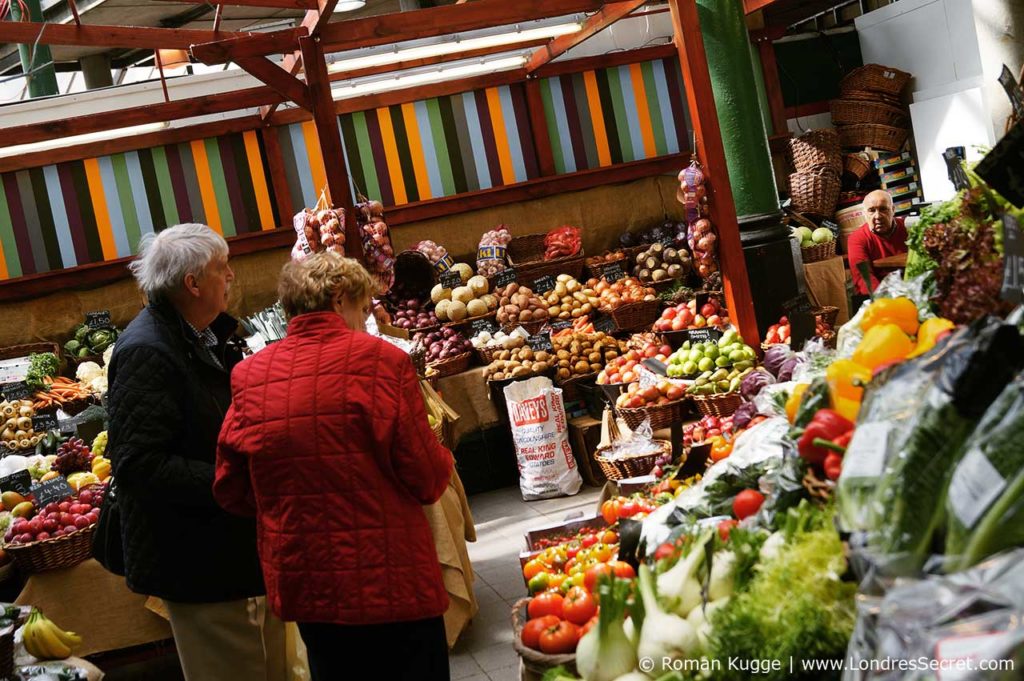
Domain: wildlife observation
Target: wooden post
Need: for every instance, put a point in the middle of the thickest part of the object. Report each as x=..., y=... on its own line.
x=711, y=151
x=278, y=178
x=329, y=134
x=539, y=125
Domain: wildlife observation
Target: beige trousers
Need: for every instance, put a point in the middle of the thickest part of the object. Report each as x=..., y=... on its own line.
x=229, y=641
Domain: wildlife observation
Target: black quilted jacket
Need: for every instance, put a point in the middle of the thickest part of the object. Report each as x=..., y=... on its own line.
x=167, y=400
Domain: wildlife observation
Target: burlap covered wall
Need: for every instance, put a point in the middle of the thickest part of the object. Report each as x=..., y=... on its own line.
x=603, y=212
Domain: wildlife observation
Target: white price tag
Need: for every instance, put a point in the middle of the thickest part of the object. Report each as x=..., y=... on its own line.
x=865, y=457
x=961, y=656
x=976, y=484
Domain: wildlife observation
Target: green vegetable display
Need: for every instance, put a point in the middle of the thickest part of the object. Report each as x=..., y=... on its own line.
x=90, y=342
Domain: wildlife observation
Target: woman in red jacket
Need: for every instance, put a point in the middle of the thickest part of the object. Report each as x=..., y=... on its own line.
x=327, y=444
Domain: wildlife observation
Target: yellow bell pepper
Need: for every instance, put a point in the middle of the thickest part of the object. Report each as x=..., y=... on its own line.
x=846, y=379
x=882, y=344
x=847, y=408
x=929, y=334
x=899, y=311
x=793, y=403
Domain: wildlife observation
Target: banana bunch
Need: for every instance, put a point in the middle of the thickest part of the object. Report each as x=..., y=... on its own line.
x=44, y=640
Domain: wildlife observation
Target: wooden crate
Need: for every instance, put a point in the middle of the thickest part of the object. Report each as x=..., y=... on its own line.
x=584, y=436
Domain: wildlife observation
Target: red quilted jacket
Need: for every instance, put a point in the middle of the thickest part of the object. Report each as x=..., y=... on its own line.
x=327, y=443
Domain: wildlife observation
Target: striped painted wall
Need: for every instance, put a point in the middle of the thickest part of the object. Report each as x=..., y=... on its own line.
x=422, y=150
x=97, y=209
x=616, y=115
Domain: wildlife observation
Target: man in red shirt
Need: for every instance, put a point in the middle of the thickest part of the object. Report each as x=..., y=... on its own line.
x=883, y=235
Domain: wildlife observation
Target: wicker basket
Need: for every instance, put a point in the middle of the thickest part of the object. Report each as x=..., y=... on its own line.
x=532, y=328
x=526, y=254
x=465, y=323
x=875, y=78
x=630, y=466
x=571, y=386
x=828, y=314
x=854, y=111
x=415, y=276
x=636, y=316
x=534, y=660
x=816, y=149
x=661, y=416
x=452, y=365
x=718, y=405
x=486, y=353
x=819, y=252
x=13, y=351
x=816, y=192
x=856, y=166
x=53, y=554
x=883, y=137
x=597, y=269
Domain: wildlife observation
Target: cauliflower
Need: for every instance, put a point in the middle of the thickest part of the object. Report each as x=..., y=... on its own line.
x=106, y=358
x=87, y=371
x=98, y=385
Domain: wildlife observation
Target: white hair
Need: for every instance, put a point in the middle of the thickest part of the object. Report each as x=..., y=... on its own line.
x=166, y=258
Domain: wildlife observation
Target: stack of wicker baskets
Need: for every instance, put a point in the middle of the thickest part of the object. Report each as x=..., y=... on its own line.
x=869, y=112
x=814, y=187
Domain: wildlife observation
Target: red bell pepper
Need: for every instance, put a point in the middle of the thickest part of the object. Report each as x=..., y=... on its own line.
x=833, y=466
x=820, y=434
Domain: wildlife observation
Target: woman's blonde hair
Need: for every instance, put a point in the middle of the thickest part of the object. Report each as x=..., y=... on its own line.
x=312, y=285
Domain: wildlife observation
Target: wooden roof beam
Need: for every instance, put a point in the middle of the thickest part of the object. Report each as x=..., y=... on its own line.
x=258, y=45
x=138, y=115
x=434, y=21
x=595, y=23
x=279, y=79
x=279, y=4
x=314, y=21
x=138, y=37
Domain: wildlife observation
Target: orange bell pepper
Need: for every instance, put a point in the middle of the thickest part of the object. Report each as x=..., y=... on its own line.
x=721, y=448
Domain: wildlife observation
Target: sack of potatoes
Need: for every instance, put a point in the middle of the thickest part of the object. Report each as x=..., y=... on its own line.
x=517, y=362
x=660, y=263
x=473, y=299
x=518, y=304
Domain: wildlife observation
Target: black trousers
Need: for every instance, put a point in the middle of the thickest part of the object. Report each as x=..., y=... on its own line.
x=401, y=651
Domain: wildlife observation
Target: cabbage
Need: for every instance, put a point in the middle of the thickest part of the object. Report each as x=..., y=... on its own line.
x=742, y=416
x=753, y=382
x=775, y=356
x=786, y=371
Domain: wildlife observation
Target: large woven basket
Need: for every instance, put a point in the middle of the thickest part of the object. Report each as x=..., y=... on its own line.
x=597, y=269
x=724, y=404
x=452, y=365
x=13, y=351
x=486, y=353
x=661, y=416
x=534, y=660
x=875, y=136
x=815, y=192
x=875, y=78
x=630, y=466
x=636, y=316
x=414, y=275
x=526, y=254
x=827, y=313
x=532, y=328
x=854, y=111
x=53, y=554
x=856, y=166
x=816, y=149
x=819, y=252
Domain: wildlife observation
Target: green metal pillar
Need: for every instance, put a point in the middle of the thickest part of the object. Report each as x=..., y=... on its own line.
x=773, y=264
x=42, y=78
x=739, y=113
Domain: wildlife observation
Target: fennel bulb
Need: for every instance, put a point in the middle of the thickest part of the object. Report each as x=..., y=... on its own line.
x=664, y=636
x=606, y=653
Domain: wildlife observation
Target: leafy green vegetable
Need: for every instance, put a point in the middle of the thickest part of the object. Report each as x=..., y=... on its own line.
x=41, y=366
x=795, y=606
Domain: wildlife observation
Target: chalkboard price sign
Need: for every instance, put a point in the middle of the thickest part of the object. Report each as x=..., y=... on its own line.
x=541, y=341
x=801, y=321
x=44, y=423
x=56, y=489
x=15, y=391
x=543, y=284
x=505, y=277
x=604, y=323
x=98, y=320
x=451, y=279
x=613, y=272
x=19, y=481
x=478, y=326
x=704, y=335
x=560, y=325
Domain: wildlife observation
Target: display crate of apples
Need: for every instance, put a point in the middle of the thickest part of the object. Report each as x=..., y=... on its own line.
x=49, y=521
x=686, y=316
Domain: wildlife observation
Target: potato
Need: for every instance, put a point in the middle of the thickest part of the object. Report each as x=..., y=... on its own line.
x=577, y=313
x=528, y=365
x=520, y=371
x=540, y=314
x=581, y=367
x=542, y=356
x=563, y=278
x=526, y=353
x=540, y=367
x=562, y=354
x=564, y=374
x=564, y=315
x=560, y=290
x=573, y=286
x=505, y=355
x=564, y=363
x=594, y=357
x=511, y=289
x=595, y=367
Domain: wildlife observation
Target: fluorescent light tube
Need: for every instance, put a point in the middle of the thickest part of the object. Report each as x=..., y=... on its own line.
x=454, y=47
x=97, y=136
x=423, y=77
x=349, y=5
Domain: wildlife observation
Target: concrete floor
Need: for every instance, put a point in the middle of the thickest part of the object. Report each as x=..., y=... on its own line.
x=502, y=518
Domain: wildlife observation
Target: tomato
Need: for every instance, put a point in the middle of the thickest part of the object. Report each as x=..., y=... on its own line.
x=747, y=503
x=609, y=537
x=570, y=552
x=603, y=553
x=610, y=511
x=591, y=623
x=664, y=551
x=629, y=509
x=578, y=579
x=588, y=540
x=545, y=604
x=530, y=635
x=622, y=569
x=579, y=606
x=570, y=566
x=533, y=568
x=725, y=527
x=560, y=639
x=593, y=574
x=539, y=582
x=556, y=581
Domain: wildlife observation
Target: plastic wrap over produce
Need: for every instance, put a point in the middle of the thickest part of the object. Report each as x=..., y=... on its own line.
x=966, y=626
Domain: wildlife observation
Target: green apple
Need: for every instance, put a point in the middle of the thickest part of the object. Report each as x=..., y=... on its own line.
x=803, y=234
x=822, y=235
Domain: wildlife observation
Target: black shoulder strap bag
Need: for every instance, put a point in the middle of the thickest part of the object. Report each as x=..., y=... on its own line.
x=107, y=547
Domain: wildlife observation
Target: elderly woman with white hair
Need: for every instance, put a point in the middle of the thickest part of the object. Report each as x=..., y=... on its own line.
x=169, y=390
